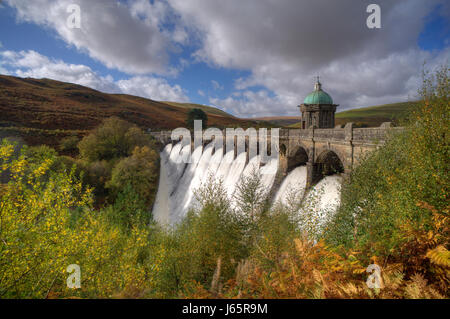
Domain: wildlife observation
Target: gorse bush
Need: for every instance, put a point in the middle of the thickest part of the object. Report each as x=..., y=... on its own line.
x=48, y=220
x=48, y=223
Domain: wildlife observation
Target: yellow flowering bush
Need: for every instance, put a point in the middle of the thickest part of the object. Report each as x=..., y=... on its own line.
x=47, y=223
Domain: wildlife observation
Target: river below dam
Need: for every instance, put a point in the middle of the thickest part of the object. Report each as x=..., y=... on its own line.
x=179, y=180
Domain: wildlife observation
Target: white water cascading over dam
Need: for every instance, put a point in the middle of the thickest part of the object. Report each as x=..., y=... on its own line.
x=179, y=180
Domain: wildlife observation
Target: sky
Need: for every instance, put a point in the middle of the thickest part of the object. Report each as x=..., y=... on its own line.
x=251, y=58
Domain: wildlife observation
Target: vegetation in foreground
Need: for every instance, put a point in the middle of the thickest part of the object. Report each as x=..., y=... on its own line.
x=394, y=213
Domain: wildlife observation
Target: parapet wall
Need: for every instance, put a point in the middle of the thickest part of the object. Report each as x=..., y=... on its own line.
x=348, y=133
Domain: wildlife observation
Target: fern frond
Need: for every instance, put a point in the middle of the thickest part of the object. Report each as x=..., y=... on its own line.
x=439, y=256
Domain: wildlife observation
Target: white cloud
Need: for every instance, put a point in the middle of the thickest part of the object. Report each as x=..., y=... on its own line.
x=252, y=104
x=154, y=88
x=32, y=64
x=111, y=32
x=286, y=43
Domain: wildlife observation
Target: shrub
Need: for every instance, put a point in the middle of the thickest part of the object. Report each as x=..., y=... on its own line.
x=69, y=143
x=113, y=139
x=196, y=114
x=118, y=153
x=140, y=170
x=128, y=209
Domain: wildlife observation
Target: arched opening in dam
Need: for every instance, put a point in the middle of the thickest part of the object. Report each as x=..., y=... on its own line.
x=329, y=163
x=299, y=158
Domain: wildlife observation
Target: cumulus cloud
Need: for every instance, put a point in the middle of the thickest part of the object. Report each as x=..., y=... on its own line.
x=154, y=88
x=255, y=103
x=110, y=32
x=32, y=64
x=287, y=43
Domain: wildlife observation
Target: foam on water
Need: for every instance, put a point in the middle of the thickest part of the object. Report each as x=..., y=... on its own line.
x=323, y=199
x=294, y=182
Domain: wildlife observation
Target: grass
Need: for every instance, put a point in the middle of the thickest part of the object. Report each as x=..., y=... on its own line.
x=206, y=108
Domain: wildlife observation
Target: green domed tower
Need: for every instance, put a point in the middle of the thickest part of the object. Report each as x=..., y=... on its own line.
x=318, y=109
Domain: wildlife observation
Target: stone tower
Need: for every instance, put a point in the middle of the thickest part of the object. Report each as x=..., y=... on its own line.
x=318, y=109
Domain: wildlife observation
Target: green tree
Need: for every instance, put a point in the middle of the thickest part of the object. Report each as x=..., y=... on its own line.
x=140, y=171
x=113, y=139
x=251, y=197
x=196, y=114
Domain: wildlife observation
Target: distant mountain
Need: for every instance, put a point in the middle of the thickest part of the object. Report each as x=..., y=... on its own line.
x=46, y=110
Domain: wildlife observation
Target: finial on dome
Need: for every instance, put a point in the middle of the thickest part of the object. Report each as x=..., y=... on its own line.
x=318, y=85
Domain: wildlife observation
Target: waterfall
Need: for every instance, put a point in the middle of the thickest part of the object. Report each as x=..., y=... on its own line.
x=179, y=180
x=295, y=181
x=322, y=200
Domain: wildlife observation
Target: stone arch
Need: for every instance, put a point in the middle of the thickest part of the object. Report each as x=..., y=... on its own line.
x=328, y=163
x=299, y=157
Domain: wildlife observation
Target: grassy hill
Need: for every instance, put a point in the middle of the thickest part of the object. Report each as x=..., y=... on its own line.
x=279, y=120
x=44, y=110
x=373, y=116
x=206, y=108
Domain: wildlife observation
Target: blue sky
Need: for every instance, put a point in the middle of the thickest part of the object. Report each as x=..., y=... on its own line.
x=252, y=58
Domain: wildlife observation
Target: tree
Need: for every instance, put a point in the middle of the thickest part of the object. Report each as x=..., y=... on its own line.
x=196, y=114
x=113, y=139
x=140, y=171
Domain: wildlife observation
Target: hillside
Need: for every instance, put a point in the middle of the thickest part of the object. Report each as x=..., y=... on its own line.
x=208, y=109
x=373, y=116
x=279, y=120
x=44, y=110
